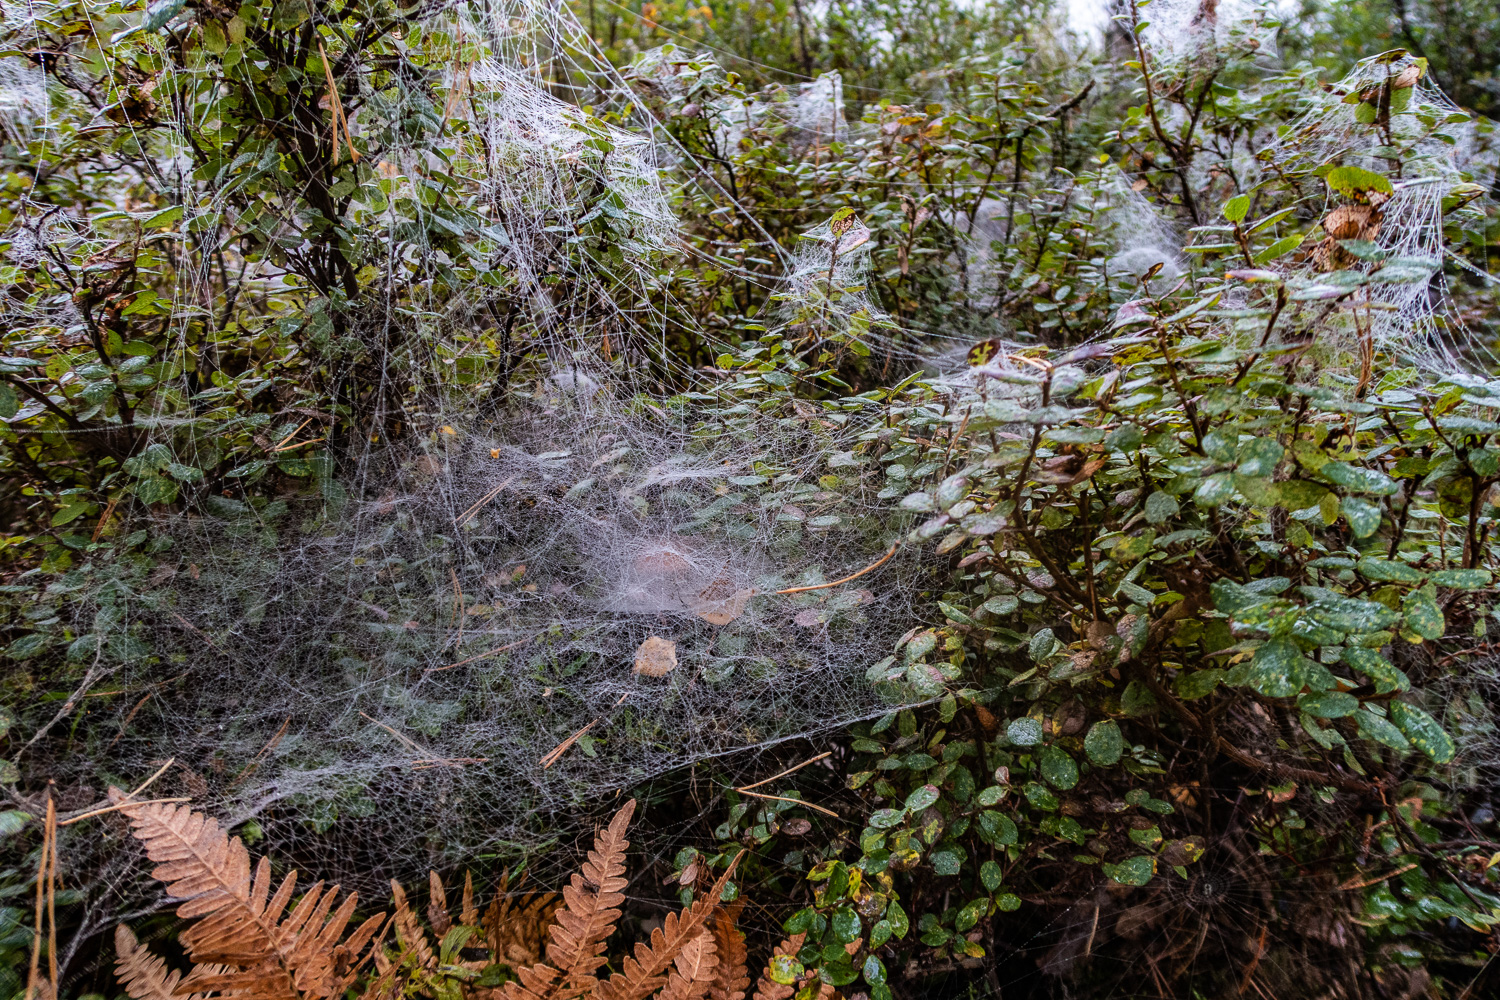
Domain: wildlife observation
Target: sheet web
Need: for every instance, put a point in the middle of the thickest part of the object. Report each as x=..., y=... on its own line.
x=377, y=676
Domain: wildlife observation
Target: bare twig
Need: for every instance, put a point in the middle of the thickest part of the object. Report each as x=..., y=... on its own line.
x=800, y=802
x=853, y=576
x=783, y=774
x=117, y=807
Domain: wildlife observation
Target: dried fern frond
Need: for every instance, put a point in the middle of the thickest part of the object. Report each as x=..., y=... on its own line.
x=437, y=905
x=144, y=974
x=265, y=957
x=768, y=988
x=731, y=973
x=468, y=913
x=692, y=975
x=409, y=932
x=643, y=974
x=590, y=907
x=515, y=927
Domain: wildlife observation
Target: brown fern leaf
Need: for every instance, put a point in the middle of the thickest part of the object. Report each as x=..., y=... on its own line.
x=692, y=975
x=437, y=905
x=468, y=913
x=515, y=929
x=589, y=911
x=768, y=988
x=142, y=973
x=642, y=975
x=302, y=957
x=731, y=973
x=409, y=932
x=535, y=982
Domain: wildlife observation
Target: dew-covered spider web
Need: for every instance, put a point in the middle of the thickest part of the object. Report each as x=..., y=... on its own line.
x=524, y=593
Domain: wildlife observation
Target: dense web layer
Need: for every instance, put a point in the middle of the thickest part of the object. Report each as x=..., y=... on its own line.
x=567, y=560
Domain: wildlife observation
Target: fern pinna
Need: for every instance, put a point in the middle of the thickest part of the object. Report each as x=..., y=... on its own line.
x=537, y=946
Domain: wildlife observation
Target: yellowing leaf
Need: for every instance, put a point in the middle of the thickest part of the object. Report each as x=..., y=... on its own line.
x=656, y=657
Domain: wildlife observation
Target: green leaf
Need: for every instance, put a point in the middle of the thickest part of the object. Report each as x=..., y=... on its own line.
x=785, y=969
x=1259, y=457
x=1348, y=180
x=1104, y=744
x=1131, y=871
x=10, y=403
x=1214, y=490
x=1423, y=616
x=1137, y=699
x=997, y=828
x=9, y=773
x=1161, y=507
x=946, y=863
x=1362, y=515
x=1359, y=479
x=1423, y=730
x=970, y=914
x=921, y=798
x=13, y=821
x=990, y=875
x=1329, y=704
x=1024, y=732
x=1278, y=669
x=1280, y=248
x=1387, y=570
x=1373, y=727
x=1058, y=768
x=1350, y=614
x=1236, y=207
x=1300, y=494
x=874, y=969
x=1462, y=579
x=1195, y=684
x=1386, y=676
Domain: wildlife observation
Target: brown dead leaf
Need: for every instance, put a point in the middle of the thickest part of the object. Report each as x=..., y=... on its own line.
x=725, y=611
x=656, y=657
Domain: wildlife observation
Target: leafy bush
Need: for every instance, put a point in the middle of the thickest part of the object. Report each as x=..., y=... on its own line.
x=1168, y=370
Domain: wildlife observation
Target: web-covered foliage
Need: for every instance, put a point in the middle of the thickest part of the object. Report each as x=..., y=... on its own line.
x=424, y=429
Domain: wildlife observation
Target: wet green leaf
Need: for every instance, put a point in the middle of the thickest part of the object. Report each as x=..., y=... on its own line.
x=1373, y=727
x=1104, y=744
x=1131, y=871
x=1386, y=676
x=1161, y=507
x=1387, y=570
x=1359, y=479
x=1278, y=668
x=922, y=798
x=1328, y=705
x=1423, y=616
x=1362, y=515
x=1423, y=730
x=1058, y=768
x=1024, y=732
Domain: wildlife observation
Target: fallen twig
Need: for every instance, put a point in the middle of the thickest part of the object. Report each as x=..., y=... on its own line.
x=463, y=518
x=800, y=802
x=790, y=770
x=117, y=807
x=852, y=576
